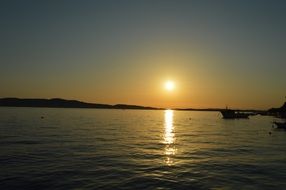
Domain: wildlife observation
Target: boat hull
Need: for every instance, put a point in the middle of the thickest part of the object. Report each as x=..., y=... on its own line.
x=231, y=114
x=280, y=125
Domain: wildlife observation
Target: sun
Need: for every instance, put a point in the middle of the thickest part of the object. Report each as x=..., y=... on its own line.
x=169, y=85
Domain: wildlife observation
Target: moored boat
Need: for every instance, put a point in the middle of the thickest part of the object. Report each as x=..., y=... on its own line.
x=280, y=125
x=231, y=114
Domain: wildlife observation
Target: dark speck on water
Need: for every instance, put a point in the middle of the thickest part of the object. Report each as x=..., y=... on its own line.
x=111, y=149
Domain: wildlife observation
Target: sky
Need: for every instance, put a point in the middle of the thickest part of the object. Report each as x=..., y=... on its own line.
x=218, y=53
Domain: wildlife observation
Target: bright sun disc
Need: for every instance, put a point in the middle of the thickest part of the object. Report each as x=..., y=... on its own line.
x=169, y=85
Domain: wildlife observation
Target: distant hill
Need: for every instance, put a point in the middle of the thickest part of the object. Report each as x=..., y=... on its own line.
x=281, y=112
x=62, y=103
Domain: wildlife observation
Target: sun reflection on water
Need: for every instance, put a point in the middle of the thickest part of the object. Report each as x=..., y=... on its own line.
x=169, y=137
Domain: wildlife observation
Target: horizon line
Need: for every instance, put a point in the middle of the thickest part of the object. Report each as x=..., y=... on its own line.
x=142, y=106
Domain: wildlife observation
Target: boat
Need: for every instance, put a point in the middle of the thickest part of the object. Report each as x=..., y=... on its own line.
x=232, y=114
x=280, y=125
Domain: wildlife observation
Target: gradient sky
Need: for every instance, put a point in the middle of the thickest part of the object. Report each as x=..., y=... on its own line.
x=218, y=52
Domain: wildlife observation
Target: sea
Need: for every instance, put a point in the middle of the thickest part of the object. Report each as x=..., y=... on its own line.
x=59, y=148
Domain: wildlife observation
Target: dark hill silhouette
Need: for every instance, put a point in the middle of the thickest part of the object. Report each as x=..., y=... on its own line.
x=281, y=112
x=62, y=103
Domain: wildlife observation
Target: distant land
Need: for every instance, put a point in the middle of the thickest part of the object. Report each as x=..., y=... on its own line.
x=279, y=112
x=62, y=103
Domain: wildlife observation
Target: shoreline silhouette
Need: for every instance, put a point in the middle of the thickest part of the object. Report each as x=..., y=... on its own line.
x=63, y=103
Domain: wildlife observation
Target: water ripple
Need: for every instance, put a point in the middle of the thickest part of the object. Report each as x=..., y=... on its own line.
x=114, y=149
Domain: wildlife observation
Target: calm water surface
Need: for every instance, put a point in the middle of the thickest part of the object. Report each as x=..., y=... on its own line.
x=132, y=149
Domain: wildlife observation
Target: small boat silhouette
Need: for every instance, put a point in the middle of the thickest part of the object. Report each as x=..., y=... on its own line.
x=280, y=125
x=232, y=114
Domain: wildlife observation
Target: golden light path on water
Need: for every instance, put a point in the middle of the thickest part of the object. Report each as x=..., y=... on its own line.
x=169, y=137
